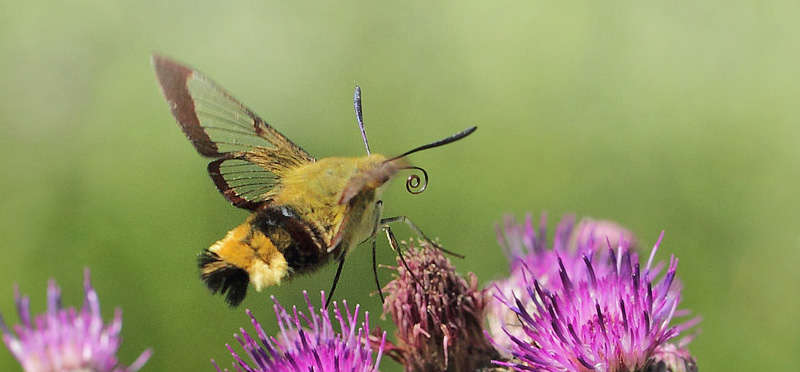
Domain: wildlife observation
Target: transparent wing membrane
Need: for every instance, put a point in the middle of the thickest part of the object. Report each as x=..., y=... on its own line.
x=227, y=123
x=247, y=149
x=243, y=183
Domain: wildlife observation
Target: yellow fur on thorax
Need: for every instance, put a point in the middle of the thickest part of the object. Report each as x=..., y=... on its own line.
x=320, y=183
x=314, y=190
x=251, y=250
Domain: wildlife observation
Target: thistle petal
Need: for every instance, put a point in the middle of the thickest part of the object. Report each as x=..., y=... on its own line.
x=603, y=313
x=308, y=342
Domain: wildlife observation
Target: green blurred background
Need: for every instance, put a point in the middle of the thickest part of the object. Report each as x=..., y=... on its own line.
x=679, y=116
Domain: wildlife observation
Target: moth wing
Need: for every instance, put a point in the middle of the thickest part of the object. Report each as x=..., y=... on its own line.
x=250, y=155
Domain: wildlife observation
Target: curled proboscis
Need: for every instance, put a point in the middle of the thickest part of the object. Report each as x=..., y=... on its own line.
x=416, y=184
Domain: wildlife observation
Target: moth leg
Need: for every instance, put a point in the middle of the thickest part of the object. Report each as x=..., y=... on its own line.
x=335, y=281
x=376, y=214
x=377, y=211
x=396, y=247
x=375, y=271
x=386, y=221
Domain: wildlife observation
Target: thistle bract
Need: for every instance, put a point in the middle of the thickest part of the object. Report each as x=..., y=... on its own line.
x=438, y=313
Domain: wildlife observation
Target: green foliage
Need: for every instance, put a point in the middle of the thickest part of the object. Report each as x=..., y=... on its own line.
x=678, y=116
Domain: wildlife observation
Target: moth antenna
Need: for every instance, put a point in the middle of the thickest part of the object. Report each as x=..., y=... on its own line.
x=360, y=116
x=414, y=184
x=441, y=142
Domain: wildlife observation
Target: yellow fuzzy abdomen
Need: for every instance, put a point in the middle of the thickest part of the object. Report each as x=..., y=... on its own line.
x=254, y=252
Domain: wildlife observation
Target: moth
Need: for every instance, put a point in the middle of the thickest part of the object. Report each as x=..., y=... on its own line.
x=305, y=212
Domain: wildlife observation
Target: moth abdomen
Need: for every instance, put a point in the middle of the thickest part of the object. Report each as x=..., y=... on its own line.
x=223, y=278
x=299, y=241
x=271, y=246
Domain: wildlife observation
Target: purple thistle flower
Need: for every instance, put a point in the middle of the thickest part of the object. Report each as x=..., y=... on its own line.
x=309, y=343
x=439, y=315
x=589, y=311
x=527, y=248
x=528, y=254
x=67, y=340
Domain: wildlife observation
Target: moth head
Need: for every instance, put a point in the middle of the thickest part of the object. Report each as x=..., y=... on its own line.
x=381, y=169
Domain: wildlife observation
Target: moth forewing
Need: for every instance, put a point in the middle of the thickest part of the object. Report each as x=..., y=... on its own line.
x=249, y=152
